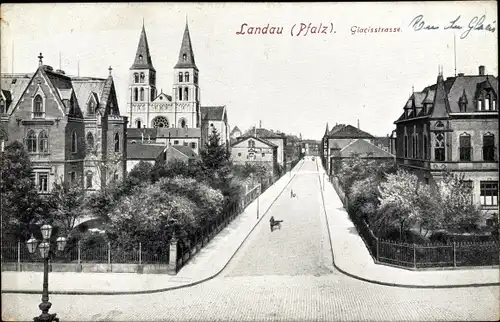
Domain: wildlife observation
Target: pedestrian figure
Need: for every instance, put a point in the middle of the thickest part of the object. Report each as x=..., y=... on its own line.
x=273, y=223
x=291, y=193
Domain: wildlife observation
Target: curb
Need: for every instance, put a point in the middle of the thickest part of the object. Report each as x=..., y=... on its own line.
x=161, y=289
x=387, y=283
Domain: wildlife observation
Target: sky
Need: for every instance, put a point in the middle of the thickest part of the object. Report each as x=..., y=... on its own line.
x=295, y=83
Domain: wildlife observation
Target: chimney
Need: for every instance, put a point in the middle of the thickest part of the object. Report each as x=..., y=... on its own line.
x=358, y=124
x=481, y=70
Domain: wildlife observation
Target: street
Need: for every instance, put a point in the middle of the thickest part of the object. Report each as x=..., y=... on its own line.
x=284, y=275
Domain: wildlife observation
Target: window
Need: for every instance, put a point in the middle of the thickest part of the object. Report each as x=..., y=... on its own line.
x=180, y=77
x=186, y=76
x=138, y=123
x=2, y=106
x=193, y=145
x=251, y=156
x=196, y=92
x=153, y=93
x=31, y=141
x=142, y=78
x=239, y=154
x=469, y=187
x=74, y=142
x=183, y=123
x=43, y=181
x=88, y=178
x=43, y=140
x=487, y=102
x=38, y=106
x=186, y=93
x=136, y=94
x=489, y=147
x=117, y=142
x=160, y=121
x=176, y=142
x=185, y=144
x=136, y=78
x=90, y=142
x=479, y=105
x=263, y=154
x=72, y=177
x=439, y=151
x=140, y=58
x=142, y=94
x=184, y=57
x=426, y=156
x=180, y=94
x=489, y=193
x=195, y=78
x=493, y=105
x=91, y=107
x=251, y=144
x=405, y=148
x=465, y=148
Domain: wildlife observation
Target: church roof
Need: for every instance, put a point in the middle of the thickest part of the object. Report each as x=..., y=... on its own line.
x=213, y=113
x=137, y=151
x=142, y=56
x=348, y=131
x=186, y=55
x=364, y=149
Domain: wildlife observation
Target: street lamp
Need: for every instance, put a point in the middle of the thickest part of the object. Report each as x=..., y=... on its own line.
x=44, y=248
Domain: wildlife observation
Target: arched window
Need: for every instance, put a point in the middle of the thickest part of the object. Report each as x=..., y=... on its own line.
x=186, y=76
x=43, y=140
x=405, y=148
x=140, y=58
x=180, y=93
x=439, y=150
x=136, y=78
x=117, y=142
x=251, y=144
x=182, y=123
x=38, y=106
x=31, y=141
x=136, y=94
x=160, y=121
x=90, y=142
x=186, y=93
x=180, y=77
x=74, y=142
x=142, y=94
x=184, y=57
x=138, y=123
x=142, y=78
x=89, y=178
x=487, y=102
x=91, y=107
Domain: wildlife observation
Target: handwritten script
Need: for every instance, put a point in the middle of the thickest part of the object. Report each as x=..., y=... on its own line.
x=475, y=24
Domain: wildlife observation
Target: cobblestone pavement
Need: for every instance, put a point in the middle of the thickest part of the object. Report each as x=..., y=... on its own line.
x=280, y=276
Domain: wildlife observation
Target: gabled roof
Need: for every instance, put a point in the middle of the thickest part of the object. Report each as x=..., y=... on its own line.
x=364, y=148
x=235, y=129
x=138, y=151
x=142, y=56
x=336, y=128
x=213, y=113
x=186, y=49
x=245, y=138
x=162, y=97
x=349, y=132
x=186, y=150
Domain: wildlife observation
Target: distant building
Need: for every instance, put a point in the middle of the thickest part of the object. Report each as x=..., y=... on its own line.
x=277, y=138
x=361, y=148
x=452, y=125
x=214, y=117
x=311, y=147
x=255, y=150
x=235, y=133
x=71, y=126
x=338, y=138
x=150, y=153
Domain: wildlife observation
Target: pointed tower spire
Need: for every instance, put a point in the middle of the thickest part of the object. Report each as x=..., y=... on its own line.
x=142, y=56
x=326, y=131
x=186, y=55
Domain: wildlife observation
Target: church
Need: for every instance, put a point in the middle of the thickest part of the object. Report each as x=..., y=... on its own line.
x=176, y=121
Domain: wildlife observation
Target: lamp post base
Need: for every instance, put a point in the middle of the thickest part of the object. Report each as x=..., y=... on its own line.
x=46, y=316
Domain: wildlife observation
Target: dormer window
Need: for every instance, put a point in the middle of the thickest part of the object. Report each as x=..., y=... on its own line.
x=136, y=78
x=140, y=58
x=479, y=105
x=91, y=108
x=184, y=57
x=462, y=105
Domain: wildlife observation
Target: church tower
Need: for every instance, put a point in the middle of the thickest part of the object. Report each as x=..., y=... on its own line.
x=186, y=92
x=142, y=88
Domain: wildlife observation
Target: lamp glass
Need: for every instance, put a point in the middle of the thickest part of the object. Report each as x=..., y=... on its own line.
x=44, y=249
x=46, y=231
x=32, y=243
x=61, y=243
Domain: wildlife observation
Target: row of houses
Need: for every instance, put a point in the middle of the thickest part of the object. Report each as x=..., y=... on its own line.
x=449, y=126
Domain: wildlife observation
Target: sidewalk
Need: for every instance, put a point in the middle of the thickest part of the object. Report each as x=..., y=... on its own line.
x=208, y=263
x=353, y=258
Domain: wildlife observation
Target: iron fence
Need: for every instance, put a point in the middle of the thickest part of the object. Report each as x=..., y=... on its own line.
x=450, y=254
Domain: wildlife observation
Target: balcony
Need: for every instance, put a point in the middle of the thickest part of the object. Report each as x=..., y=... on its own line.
x=38, y=115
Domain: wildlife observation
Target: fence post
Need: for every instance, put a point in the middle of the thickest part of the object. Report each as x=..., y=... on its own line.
x=140, y=268
x=172, y=260
x=79, y=263
x=109, y=257
x=454, y=255
x=376, y=238
x=19, y=255
x=414, y=256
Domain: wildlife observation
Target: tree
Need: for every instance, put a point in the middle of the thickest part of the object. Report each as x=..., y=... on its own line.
x=66, y=204
x=215, y=156
x=22, y=206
